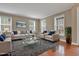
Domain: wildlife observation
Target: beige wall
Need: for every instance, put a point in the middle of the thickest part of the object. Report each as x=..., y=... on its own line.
x=74, y=24
x=70, y=20
x=18, y=18
x=50, y=19
x=49, y=23
x=37, y=26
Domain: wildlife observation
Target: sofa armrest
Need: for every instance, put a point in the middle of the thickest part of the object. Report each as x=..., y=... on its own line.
x=55, y=37
x=5, y=46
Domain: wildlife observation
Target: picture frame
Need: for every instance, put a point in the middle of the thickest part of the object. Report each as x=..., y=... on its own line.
x=21, y=24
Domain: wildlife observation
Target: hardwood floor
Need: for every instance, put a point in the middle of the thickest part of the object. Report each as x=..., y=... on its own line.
x=63, y=49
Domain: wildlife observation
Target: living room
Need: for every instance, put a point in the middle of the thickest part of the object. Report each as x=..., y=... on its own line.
x=23, y=32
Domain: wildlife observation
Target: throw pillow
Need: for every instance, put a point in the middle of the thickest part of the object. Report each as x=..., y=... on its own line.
x=3, y=35
x=15, y=32
x=30, y=31
x=44, y=32
x=51, y=32
x=1, y=38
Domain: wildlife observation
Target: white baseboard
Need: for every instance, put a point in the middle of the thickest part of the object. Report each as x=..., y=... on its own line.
x=62, y=40
x=75, y=43
x=72, y=42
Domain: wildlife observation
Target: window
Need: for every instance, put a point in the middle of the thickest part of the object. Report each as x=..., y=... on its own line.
x=59, y=24
x=43, y=25
x=32, y=25
x=5, y=23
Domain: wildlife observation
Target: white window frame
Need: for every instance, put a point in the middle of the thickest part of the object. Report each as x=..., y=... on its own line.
x=31, y=25
x=43, y=25
x=6, y=24
x=55, y=23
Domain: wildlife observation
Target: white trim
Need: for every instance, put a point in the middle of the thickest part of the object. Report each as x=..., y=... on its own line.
x=11, y=24
x=43, y=25
x=78, y=25
x=72, y=42
x=33, y=25
x=6, y=24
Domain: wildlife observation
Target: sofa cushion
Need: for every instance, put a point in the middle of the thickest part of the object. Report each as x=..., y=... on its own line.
x=23, y=32
x=2, y=37
x=18, y=36
x=48, y=36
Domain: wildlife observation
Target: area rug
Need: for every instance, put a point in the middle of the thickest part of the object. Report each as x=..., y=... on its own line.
x=32, y=50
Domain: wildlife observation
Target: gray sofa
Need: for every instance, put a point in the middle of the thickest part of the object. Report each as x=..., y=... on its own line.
x=18, y=36
x=21, y=36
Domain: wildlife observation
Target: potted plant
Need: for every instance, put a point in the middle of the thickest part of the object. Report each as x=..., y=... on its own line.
x=68, y=35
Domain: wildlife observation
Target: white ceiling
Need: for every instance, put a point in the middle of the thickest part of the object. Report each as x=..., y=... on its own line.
x=35, y=10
